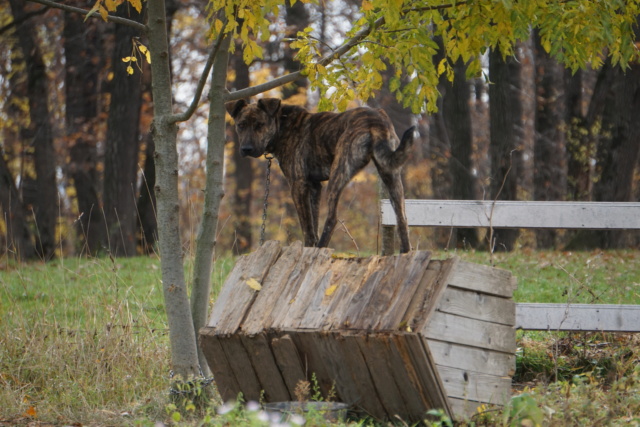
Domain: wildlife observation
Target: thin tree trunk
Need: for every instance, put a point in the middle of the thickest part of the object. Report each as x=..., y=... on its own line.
x=457, y=117
x=14, y=216
x=505, y=122
x=146, y=208
x=122, y=144
x=206, y=240
x=184, y=351
x=549, y=146
x=39, y=135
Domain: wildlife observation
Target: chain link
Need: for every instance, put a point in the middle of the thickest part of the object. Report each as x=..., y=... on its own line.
x=191, y=385
x=266, y=198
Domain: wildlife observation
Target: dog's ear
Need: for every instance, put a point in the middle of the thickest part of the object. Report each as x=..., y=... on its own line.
x=270, y=105
x=234, y=107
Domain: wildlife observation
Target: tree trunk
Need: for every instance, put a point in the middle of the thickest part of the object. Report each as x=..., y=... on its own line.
x=14, y=216
x=122, y=143
x=206, y=240
x=82, y=48
x=184, y=351
x=549, y=146
x=457, y=118
x=619, y=148
x=243, y=173
x=505, y=122
x=146, y=209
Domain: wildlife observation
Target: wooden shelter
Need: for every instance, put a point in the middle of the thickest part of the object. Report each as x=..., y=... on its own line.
x=393, y=336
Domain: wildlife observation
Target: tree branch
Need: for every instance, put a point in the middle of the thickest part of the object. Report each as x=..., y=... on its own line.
x=110, y=18
x=288, y=78
x=186, y=115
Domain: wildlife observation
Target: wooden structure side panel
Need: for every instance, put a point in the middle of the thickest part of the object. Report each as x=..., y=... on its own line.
x=482, y=278
x=472, y=358
x=517, y=214
x=476, y=386
x=265, y=367
x=226, y=382
x=578, y=317
x=241, y=367
x=288, y=361
x=476, y=305
x=475, y=333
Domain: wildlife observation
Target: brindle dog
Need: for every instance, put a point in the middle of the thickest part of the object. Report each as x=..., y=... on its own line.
x=312, y=148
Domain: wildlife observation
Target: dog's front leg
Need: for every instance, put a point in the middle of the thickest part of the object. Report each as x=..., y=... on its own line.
x=301, y=195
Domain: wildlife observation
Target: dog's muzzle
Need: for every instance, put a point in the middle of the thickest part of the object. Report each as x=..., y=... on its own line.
x=249, y=151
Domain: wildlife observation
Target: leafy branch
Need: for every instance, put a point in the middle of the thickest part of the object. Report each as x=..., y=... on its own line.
x=109, y=18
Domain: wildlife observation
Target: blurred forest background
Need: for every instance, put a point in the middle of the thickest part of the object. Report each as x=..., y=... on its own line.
x=77, y=171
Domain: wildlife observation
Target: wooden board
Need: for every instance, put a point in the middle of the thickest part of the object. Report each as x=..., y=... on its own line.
x=474, y=333
x=578, y=317
x=516, y=214
x=482, y=278
x=477, y=386
x=472, y=358
x=225, y=379
x=288, y=361
x=265, y=367
x=476, y=305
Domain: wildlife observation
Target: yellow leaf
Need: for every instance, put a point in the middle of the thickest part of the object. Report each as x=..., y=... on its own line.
x=366, y=5
x=137, y=5
x=103, y=12
x=147, y=55
x=126, y=59
x=31, y=412
x=330, y=290
x=254, y=284
x=94, y=9
x=129, y=70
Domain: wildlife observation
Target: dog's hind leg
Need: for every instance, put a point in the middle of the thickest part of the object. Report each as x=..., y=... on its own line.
x=393, y=182
x=302, y=199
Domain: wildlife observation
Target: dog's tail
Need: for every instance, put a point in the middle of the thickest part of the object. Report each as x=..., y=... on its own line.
x=390, y=159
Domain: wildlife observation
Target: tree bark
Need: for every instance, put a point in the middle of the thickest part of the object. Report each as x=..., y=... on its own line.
x=505, y=123
x=40, y=137
x=549, y=144
x=243, y=173
x=82, y=47
x=457, y=118
x=122, y=143
x=206, y=240
x=184, y=352
x=14, y=216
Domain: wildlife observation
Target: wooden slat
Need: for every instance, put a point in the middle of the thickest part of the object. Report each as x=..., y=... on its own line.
x=228, y=313
x=476, y=305
x=272, y=289
x=289, y=363
x=477, y=386
x=226, y=382
x=346, y=280
x=241, y=367
x=475, y=333
x=266, y=369
x=472, y=358
x=482, y=278
x=517, y=214
x=464, y=409
x=578, y=317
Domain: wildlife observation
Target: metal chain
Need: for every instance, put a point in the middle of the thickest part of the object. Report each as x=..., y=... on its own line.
x=266, y=197
x=191, y=385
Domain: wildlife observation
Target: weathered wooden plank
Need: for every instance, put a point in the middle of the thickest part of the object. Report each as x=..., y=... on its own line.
x=395, y=309
x=578, y=317
x=266, y=369
x=482, y=278
x=384, y=292
x=476, y=305
x=475, y=333
x=422, y=369
x=517, y=214
x=241, y=367
x=317, y=276
x=477, y=386
x=375, y=350
x=288, y=361
x=350, y=389
x=272, y=288
x=230, y=313
x=464, y=409
x=287, y=299
x=472, y=358
x=226, y=382
x=428, y=294
x=224, y=297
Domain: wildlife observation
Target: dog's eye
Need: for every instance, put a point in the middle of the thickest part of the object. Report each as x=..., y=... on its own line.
x=241, y=125
x=258, y=126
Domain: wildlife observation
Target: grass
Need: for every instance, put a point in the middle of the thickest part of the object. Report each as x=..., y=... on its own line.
x=85, y=341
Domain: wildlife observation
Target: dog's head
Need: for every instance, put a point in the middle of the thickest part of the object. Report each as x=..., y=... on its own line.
x=256, y=124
